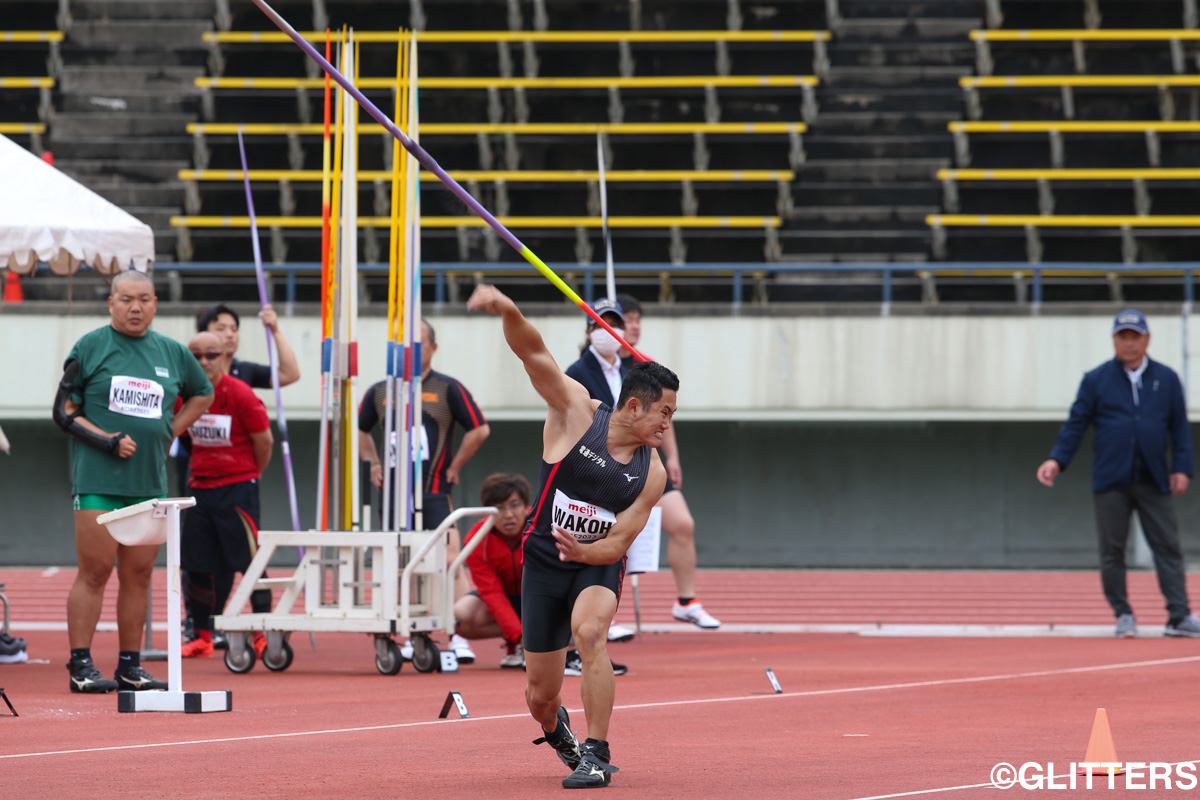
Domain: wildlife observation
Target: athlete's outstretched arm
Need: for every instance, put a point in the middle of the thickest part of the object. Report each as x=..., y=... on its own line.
x=525, y=341
x=629, y=524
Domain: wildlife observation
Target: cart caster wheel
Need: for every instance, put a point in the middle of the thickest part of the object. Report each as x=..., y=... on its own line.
x=240, y=661
x=278, y=662
x=392, y=663
x=425, y=654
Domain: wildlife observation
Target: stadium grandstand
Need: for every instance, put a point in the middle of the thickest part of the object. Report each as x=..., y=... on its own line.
x=775, y=148
x=889, y=248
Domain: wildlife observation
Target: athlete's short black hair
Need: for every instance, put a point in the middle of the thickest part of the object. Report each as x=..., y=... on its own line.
x=497, y=487
x=629, y=304
x=209, y=316
x=646, y=381
x=432, y=332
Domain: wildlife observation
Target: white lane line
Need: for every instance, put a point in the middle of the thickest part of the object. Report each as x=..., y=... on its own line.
x=630, y=706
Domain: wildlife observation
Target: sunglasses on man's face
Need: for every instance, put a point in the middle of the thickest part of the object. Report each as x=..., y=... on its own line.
x=211, y=355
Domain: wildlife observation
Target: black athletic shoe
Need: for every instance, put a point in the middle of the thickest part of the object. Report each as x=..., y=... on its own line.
x=574, y=665
x=136, y=679
x=593, y=771
x=563, y=740
x=86, y=679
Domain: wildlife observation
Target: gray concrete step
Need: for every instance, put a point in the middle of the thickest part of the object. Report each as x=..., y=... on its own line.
x=107, y=148
x=884, y=122
x=900, y=54
x=820, y=146
x=108, y=123
x=841, y=215
x=128, y=194
x=877, y=170
x=83, y=10
x=157, y=217
x=111, y=170
x=921, y=29
x=102, y=79
x=185, y=54
x=154, y=34
x=118, y=101
x=891, y=99
x=892, y=76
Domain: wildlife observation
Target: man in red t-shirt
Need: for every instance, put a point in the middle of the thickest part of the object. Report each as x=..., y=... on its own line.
x=231, y=447
x=494, y=608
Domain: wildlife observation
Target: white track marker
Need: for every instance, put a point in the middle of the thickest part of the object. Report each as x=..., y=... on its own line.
x=774, y=681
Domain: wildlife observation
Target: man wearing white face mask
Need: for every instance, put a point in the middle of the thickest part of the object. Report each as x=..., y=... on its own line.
x=598, y=368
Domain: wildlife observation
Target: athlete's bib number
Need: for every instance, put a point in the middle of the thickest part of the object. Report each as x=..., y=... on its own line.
x=422, y=454
x=212, y=430
x=584, y=521
x=136, y=397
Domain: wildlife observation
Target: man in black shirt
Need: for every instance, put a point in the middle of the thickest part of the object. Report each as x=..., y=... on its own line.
x=600, y=478
x=445, y=403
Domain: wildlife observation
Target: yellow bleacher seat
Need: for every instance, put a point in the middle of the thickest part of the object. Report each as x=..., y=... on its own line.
x=477, y=222
x=512, y=176
x=564, y=37
x=620, y=82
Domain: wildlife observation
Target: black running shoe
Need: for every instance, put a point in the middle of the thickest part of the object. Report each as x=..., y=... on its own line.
x=563, y=740
x=574, y=665
x=86, y=679
x=136, y=679
x=593, y=771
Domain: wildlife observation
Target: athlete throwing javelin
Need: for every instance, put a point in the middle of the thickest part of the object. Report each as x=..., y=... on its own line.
x=600, y=478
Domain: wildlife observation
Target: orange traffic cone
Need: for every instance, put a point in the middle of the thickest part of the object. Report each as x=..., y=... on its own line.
x=1100, y=748
x=12, y=289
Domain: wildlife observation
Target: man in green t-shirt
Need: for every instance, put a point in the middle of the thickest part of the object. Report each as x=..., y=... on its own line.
x=117, y=400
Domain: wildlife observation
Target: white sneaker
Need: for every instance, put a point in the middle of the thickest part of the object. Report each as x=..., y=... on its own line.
x=462, y=650
x=620, y=633
x=514, y=658
x=694, y=613
x=406, y=650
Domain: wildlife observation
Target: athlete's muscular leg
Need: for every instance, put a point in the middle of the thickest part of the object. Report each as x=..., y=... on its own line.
x=96, y=552
x=681, y=545
x=590, y=618
x=472, y=620
x=543, y=688
x=135, y=567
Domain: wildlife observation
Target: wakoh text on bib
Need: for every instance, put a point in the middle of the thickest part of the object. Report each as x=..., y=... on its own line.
x=136, y=397
x=584, y=521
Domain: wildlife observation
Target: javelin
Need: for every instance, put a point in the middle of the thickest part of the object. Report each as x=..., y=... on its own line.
x=280, y=419
x=427, y=161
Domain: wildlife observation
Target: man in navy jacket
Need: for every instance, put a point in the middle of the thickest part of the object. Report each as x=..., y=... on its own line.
x=1138, y=409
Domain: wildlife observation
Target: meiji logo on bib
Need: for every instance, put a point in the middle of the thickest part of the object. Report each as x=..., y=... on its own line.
x=135, y=397
x=212, y=430
x=584, y=521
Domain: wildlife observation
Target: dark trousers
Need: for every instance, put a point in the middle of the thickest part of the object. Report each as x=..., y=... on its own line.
x=1157, y=514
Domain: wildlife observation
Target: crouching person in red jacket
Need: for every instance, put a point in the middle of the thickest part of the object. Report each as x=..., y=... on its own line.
x=494, y=608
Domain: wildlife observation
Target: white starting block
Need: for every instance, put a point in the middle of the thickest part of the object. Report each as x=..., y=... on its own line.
x=401, y=562
x=155, y=522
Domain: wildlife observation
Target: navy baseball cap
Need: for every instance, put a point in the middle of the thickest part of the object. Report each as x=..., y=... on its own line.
x=605, y=306
x=1130, y=320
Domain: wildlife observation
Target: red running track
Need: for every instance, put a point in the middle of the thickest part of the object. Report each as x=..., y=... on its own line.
x=860, y=716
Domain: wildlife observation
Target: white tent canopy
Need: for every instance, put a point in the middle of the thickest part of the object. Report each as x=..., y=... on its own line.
x=47, y=216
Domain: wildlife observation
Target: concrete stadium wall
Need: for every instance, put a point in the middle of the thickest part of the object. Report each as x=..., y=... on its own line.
x=764, y=494
x=767, y=367
x=807, y=442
